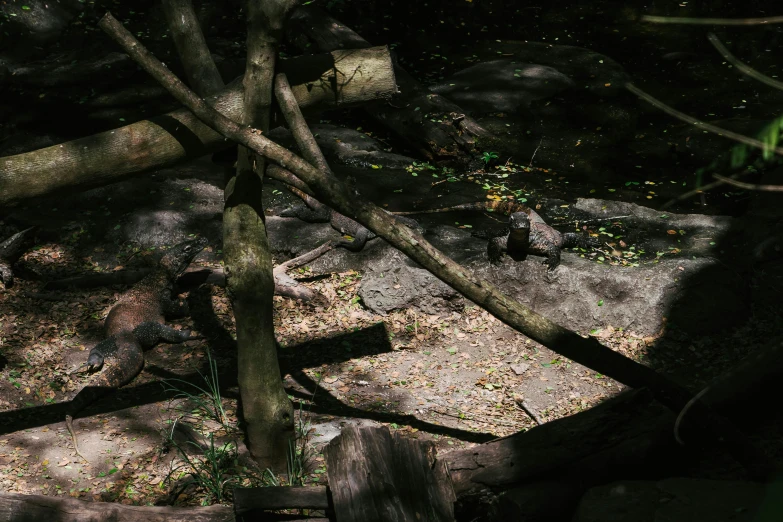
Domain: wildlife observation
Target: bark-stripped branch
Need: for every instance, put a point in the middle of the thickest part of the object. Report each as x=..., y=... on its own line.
x=748, y=186
x=711, y=21
x=742, y=67
x=702, y=124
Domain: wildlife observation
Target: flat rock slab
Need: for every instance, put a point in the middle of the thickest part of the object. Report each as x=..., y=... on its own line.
x=582, y=295
x=678, y=500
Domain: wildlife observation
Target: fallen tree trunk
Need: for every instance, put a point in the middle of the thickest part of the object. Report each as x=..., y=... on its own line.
x=733, y=390
x=321, y=81
x=24, y=508
x=632, y=425
x=436, y=127
x=587, y=351
x=544, y=472
x=281, y=497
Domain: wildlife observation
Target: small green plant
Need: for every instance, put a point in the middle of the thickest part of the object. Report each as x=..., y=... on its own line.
x=300, y=451
x=213, y=469
x=416, y=168
x=488, y=156
x=207, y=400
x=215, y=473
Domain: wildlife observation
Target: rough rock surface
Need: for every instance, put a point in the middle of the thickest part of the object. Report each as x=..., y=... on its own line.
x=406, y=287
x=346, y=146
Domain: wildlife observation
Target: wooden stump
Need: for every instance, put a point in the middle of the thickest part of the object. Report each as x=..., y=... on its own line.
x=378, y=476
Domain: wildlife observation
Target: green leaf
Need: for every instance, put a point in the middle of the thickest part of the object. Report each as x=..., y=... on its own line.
x=601, y=302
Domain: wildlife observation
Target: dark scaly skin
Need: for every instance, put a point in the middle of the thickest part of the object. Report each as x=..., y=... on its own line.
x=505, y=206
x=10, y=250
x=313, y=211
x=529, y=234
x=135, y=324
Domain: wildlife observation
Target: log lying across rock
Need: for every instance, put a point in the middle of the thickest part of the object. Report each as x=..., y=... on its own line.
x=325, y=80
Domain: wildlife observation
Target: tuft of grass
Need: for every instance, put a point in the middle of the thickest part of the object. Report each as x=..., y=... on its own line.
x=300, y=450
x=215, y=473
x=207, y=399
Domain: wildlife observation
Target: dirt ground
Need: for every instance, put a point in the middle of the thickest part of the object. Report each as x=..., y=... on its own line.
x=458, y=380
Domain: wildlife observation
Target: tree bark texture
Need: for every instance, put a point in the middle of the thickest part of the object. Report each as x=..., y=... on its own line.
x=411, y=112
x=321, y=81
x=586, y=351
x=268, y=413
x=200, y=68
x=377, y=475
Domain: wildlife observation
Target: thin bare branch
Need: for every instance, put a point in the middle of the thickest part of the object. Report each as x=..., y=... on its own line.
x=711, y=21
x=741, y=67
x=749, y=186
x=691, y=193
x=701, y=124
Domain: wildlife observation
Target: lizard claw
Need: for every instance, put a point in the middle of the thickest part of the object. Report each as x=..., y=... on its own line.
x=551, y=276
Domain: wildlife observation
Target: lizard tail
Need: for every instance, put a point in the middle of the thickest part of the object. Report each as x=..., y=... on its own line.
x=572, y=240
x=478, y=205
x=506, y=207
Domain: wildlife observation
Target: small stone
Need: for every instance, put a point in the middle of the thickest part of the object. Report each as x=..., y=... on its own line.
x=520, y=368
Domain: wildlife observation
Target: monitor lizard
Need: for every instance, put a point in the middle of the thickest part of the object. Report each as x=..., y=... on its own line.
x=134, y=324
x=527, y=232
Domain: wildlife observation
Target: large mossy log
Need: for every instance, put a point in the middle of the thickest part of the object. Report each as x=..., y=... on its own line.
x=327, y=80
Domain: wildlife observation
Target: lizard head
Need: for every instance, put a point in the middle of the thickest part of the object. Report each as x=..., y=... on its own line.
x=519, y=221
x=178, y=257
